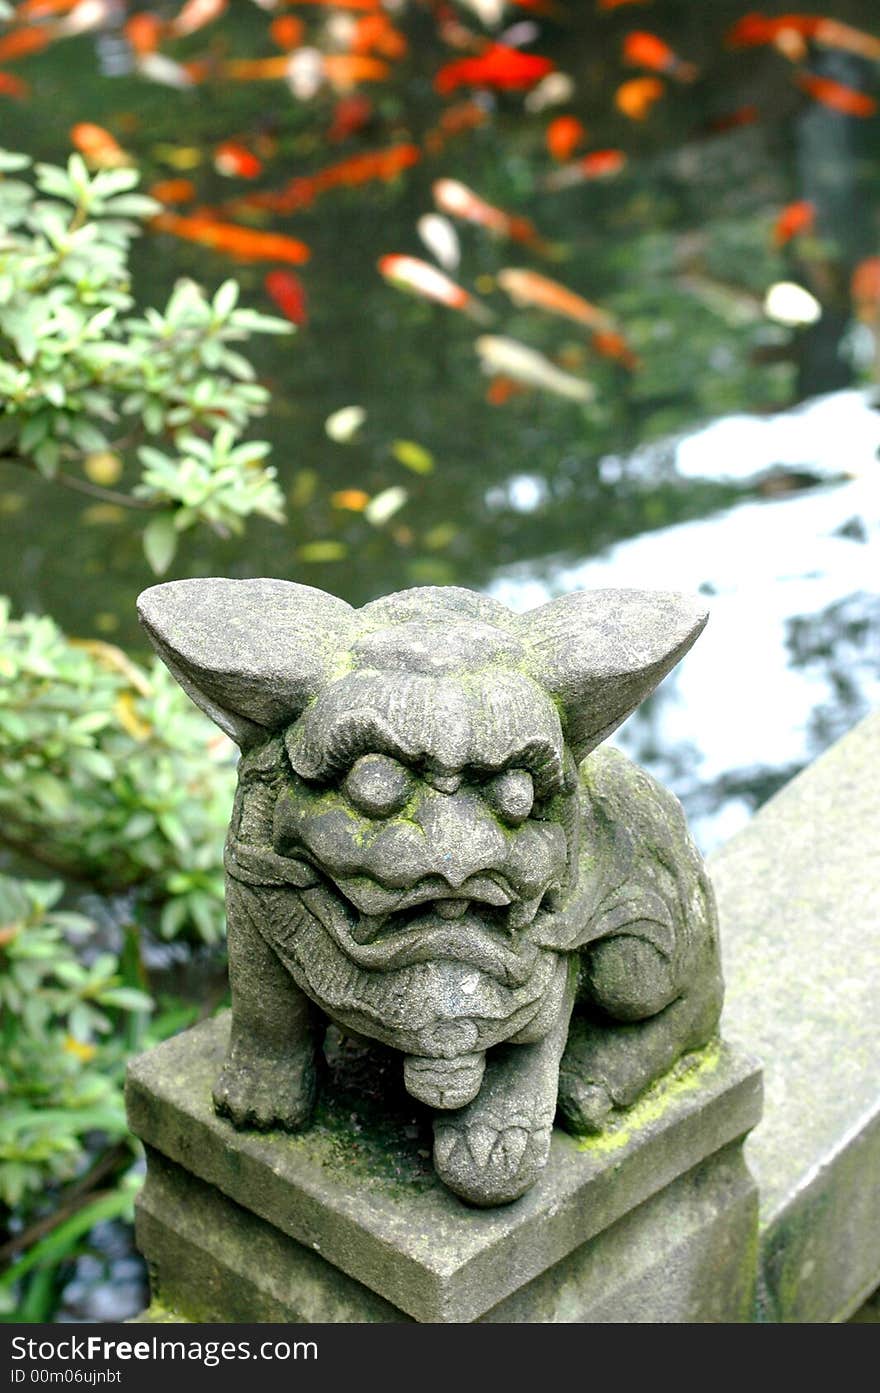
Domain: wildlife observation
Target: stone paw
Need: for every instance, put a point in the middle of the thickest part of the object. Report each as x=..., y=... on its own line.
x=274, y=1093
x=584, y=1105
x=488, y=1164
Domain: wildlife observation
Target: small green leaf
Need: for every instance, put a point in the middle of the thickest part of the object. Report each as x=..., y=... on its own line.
x=413, y=456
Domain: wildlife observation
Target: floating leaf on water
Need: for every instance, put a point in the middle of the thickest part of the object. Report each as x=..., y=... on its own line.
x=178, y=156
x=413, y=456
x=11, y=503
x=102, y=514
x=322, y=551
x=485, y=283
x=302, y=490
x=440, y=536
x=385, y=505
x=344, y=424
x=792, y=305
x=102, y=467
x=350, y=500
x=105, y=622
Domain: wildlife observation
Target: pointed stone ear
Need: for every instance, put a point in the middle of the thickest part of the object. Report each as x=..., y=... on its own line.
x=250, y=653
x=601, y=652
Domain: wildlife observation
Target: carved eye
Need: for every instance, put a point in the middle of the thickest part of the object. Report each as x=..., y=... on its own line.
x=512, y=795
x=378, y=786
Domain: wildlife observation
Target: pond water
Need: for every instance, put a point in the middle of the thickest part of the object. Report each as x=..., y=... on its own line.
x=736, y=456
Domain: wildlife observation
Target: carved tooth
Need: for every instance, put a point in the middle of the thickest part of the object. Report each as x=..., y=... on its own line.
x=522, y=913
x=444, y=1145
x=452, y=909
x=480, y=1141
x=511, y=1146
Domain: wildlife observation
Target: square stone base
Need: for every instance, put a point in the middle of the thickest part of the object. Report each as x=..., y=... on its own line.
x=654, y=1221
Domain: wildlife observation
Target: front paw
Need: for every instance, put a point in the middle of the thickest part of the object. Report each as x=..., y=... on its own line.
x=488, y=1163
x=266, y=1093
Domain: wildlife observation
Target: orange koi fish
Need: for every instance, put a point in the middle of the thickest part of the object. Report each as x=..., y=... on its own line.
x=461, y=202
x=618, y=4
x=194, y=16
x=528, y=290
x=612, y=344
x=22, y=42
x=598, y=164
x=244, y=243
x=564, y=135
x=173, y=191
x=830, y=33
x=376, y=34
x=98, y=146
x=644, y=50
x=43, y=9
x=501, y=389
x=350, y=115
x=257, y=69
x=836, y=95
x=341, y=4
x=499, y=66
x=302, y=191
x=865, y=289
x=636, y=97
x=289, y=295
x=757, y=30
x=794, y=219
x=455, y=120
x=419, y=278
x=287, y=32
x=144, y=32
x=344, y=70
x=13, y=86
x=236, y=161
x=87, y=15
x=742, y=116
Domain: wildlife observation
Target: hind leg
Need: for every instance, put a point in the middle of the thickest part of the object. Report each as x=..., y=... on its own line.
x=652, y=1020
x=269, y=1076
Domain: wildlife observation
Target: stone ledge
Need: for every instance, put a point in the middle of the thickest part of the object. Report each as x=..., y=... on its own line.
x=402, y=1235
x=798, y=893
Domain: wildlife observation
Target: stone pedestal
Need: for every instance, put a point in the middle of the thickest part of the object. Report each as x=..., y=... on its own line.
x=654, y=1221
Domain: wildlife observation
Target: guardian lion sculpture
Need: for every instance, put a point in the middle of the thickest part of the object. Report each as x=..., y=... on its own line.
x=428, y=849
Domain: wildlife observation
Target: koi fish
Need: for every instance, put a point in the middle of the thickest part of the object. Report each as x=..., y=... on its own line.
x=563, y=136
x=245, y=243
x=611, y=344
x=498, y=66
x=836, y=95
x=831, y=33
x=501, y=389
x=794, y=219
x=598, y=164
x=865, y=289
x=350, y=115
x=158, y=67
x=287, y=32
x=173, y=191
x=455, y=120
x=636, y=97
x=644, y=50
x=236, y=161
x=758, y=30
x=43, y=9
x=419, y=278
x=441, y=239
x=144, y=32
x=344, y=70
x=87, y=15
x=14, y=86
x=289, y=295
x=510, y=358
x=554, y=90
x=618, y=4
x=340, y=4
x=98, y=146
x=742, y=116
x=257, y=69
x=461, y=202
x=22, y=42
x=194, y=16
x=302, y=191
x=376, y=34
x=527, y=289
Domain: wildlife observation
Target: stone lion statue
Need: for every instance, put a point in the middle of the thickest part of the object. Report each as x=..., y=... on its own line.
x=428, y=849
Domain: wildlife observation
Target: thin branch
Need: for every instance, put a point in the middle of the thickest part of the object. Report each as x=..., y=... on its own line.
x=70, y=481
x=75, y=1197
